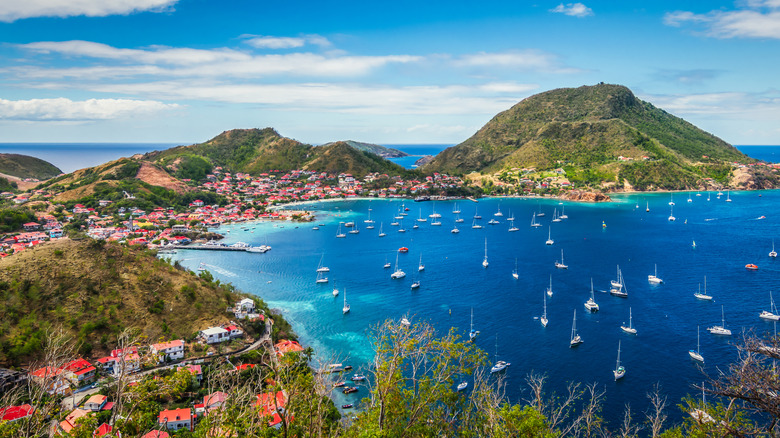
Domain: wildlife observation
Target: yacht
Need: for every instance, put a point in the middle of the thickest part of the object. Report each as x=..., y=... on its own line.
x=434, y=215
x=500, y=364
x=533, y=221
x=381, y=233
x=618, y=288
x=549, y=288
x=620, y=370
x=498, y=213
x=455, y=229
x=514, y=273
x=421, y=267
x=345, y=309
x=654, y=277
x=630, y=328
x=339, y=234
x=695, y=354
x=398, y=273
x=771, y=314
x=703, y=296
x=485, y=261
x=462, y=386
x=493, y=222
x=475, y=225
x=512, y=226
x=368, y=221
x=476, y=215
x=671, y=215
x=458, y=220
x=321, y=267
x=575, y=338
x=549, y=240
x=591, y=304
x=321, y=278
x=671, y=199
x=472, y=333
x=354, y=230
x=773, y=253
x=563, y=215
x=421, y=218
x=720, y=329
x=456, y=210
x=416, y=284
x=556, y=218
x=335, y=290
x=543, y=319
x=561, y=265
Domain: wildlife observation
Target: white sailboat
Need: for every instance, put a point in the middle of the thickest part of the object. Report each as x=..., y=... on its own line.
x=728, y=196
x=647, y=206
x=320, y=267
x=549, y=238
x=500, y=364
x=654, y=277
x=321, y=278
x=339, y=234
x=543, y=319
x=689, y=198
x=472, y=333
x=387, y=264
x=421, y=267
x=671, y=199
x=421, y=218
x=485, y=262
x=456, y=210
x=434, y=215
x=398, y=273
x=619, y=288
x=455, y=229
x=561, y=264
x=771, y=314
x=475, y=225
x=563, y=215
x=354, y=230
x=415, y=284
x=368, y=221
x=458, y=219
x=695, y=354
x=533, y=221
x=476, y=215
x=381, y=233
x=620, y=370
x=345, y=309
x=498, y=213
x=549, y=288
x=335, y=290
x=671, y=214
x=591, y=304
x=575, y=338
x=512, y=226
x=703, y=296
x=556, y=218
x=511, y=217
x=720, y=329
x=773, y=253
x=514, y=273
x=630, y=329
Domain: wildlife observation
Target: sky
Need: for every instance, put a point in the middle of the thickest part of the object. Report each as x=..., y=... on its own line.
x=401, y=72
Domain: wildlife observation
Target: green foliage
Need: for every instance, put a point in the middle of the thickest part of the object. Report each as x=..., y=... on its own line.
x=193, y=167
x=658, y=174
x=7, y=186
x=11, y=219
x=24, y=166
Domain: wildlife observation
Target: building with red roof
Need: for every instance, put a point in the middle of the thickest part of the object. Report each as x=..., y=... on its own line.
x=286, y=346
x=175, y=419
x=13, y=413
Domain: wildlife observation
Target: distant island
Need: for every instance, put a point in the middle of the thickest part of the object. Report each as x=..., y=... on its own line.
x=382, y=151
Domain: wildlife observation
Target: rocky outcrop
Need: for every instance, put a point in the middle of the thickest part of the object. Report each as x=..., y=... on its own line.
x=422, y=161
x=583, y=196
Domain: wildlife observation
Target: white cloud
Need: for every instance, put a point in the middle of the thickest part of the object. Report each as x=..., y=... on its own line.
x=525, y=60
x=732, y=105
x=62, y=109
x=573, y=10
x=273, y=42
x=11, y=10
x=758, y=19
x=221, y=62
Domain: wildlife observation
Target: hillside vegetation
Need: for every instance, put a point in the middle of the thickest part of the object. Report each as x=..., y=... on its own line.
x=255, y=151
x=587, y=129
x=24, y=166
x=94, y=290
x=382, y=151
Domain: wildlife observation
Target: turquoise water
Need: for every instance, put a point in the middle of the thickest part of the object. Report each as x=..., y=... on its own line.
x=727, y=235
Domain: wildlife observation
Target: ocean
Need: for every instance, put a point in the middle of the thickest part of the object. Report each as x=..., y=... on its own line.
x=728, y=235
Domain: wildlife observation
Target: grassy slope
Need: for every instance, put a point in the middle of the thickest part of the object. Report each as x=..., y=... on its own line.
x=95, y=291
x=586, y=125
x=24, y=166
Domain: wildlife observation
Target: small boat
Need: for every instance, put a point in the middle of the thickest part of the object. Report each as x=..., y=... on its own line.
x=561, y=265
x=475, y=225
x=387, y=264
x=493, y=222
x=671, y=215
x=403, y=249
x=630, y=328
x=421, y=218
x=647, y=206
x=405, y=322
x=381, y=233
x=728, y=196
x=335, y=290
x=620, y=370
x=751, y=267
x=563, y=215
x=358, y=378
x=321, y=267
x=703, y=296
x=415, y=226
x=771, y=314
x=321, y=278
x=398, y=273
x=485, y=261
x=695, y=354
x=500, y=365
x=543, y=319
x=348, y=367
x=368, y=221
x=591, y=304
x=345, y=309
x=575, y=338
x=455, y=229
x=533, y=221
x=456, y=210
x=346, y=406
x=512, y=227
x=462, y=386
x=202, y=266
x=514, y=273
x=476, y=215
x=549, y=290
x=693, y=244
x=349, y=389
x=315, y=228
x=720, y=329
x=654, y=277
x=472, y=333
x=618, y=288
x=349, y=224
x=416, y=284
x=671, y=199
x=340, y=384
x=773, y=253
x=498, y=213
x=339, y=234
x=549, y=240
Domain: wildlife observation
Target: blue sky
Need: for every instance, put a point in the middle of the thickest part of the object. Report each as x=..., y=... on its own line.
x=384, y=72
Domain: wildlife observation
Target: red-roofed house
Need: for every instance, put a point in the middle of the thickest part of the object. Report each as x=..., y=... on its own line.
x=80, y=371
x=53, y=380
x=286, y=346
x=270, y=405
x=172, y=350
x=156, y=434
x=70, y=421
x=13, y=413
x=175, y=419
x=95, y=403
x=104, y=429
x=234, y=331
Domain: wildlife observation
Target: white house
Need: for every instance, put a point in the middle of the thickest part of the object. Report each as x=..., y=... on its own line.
x=215, y=335
x=172, y=350
x=95, y=403
x=127, y=364
x=246, y=305
x=234, y=331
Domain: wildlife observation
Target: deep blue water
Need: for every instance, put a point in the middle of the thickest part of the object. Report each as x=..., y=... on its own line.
x=727, y=235
x=416, y=151
x=767, y=153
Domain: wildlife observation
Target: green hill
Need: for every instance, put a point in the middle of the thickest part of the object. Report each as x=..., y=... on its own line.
x=24, y=166
x=255, y=151
x=382, y=151
x=93, y=290
x=586, y=129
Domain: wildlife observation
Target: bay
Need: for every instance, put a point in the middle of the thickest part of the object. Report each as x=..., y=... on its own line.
x=728, y=235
